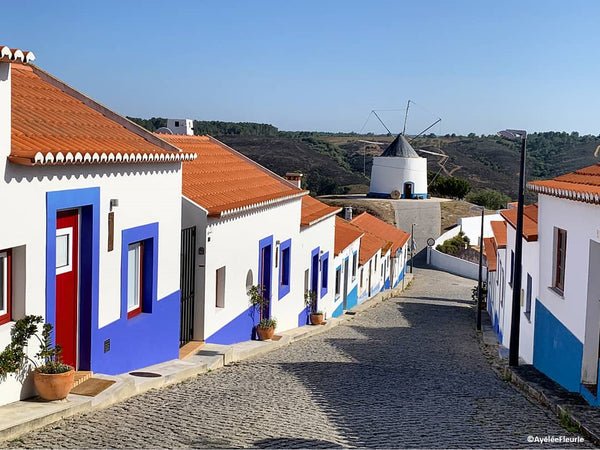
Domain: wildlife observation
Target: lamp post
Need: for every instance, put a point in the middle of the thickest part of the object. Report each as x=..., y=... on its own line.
x=479, y=284
x=412, y=246
x=513, y=351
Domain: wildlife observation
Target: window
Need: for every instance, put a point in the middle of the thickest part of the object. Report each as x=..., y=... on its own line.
x=338, y=280
x=512, y=267
x=375, y=260
x=361, y=278
x=354, y=264
x=324, y=273
x=528, y=299
x=560, y=253
x=177, y=123
x=220, y=288
x=284, y=268
x=135, y=276
x=5, y=285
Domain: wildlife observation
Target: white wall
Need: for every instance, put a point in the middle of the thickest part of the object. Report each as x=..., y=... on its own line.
x=390, y=173
x=451, y=263
x=471, y=226
x=348, y=252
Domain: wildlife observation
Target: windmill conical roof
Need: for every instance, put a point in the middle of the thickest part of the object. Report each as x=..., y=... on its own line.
x=400, y=147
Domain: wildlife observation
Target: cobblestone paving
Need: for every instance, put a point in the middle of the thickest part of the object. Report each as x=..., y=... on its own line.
x=407, y=373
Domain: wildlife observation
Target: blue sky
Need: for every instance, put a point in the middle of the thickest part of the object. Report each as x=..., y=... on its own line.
x=324, y=65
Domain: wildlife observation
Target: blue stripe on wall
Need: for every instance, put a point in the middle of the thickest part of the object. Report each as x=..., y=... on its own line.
x=88, y=200
x=241, y=328
x=556, y=351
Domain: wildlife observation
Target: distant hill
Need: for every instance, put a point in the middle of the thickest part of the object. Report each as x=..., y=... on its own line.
x=334, y=163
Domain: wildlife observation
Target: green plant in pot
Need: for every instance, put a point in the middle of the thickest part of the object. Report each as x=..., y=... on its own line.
x=310, y=301
x=266, y=326
x=52, y=378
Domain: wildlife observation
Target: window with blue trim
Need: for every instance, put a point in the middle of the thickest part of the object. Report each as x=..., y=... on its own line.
x=354, y=264
x=338, y=281
x=324, y=273
x=285, y=261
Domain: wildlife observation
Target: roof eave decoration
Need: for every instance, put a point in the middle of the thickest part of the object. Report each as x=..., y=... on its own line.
x=569, y=194
x=254, y=206
x=60, y=159
x=15, y=55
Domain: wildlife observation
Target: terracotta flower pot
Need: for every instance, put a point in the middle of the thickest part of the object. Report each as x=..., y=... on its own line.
x=265, y=333
x=316, y=319
x=53, y=386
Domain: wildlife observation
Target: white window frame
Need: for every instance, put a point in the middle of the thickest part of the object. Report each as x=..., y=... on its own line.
x=5, y=281
x=134, y=286
x=69, y=266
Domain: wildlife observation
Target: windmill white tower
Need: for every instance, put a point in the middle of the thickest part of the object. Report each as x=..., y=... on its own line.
x=399, y=172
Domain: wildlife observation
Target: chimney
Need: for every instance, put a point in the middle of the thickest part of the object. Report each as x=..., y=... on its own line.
x=348, y=213
x=181, y=126
x=295, y=178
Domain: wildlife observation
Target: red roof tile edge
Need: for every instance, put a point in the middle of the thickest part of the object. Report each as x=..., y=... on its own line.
x=569, y=191
x=171, y=154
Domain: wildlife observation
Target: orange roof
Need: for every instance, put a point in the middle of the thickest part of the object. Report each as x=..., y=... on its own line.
x=499, y=230
x=369, y=244
x=490, y=254
x=54, y=124
x=224, y=181
x=382, y=229
x=530, y=221
x=345, y=234
x=582, y=185
x=314, y=211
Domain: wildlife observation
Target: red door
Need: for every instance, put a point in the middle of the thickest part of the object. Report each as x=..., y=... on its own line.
x=67, y=252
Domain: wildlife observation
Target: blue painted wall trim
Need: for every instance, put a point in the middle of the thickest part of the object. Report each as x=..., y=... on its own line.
x=284, y=289
x=266, y=266
x=556, y=351
x=143, y=340
x=324, y=274
x=150, y=337
x=382, y=195
x=352, y=299
x=240, y=329
x=88, y=200
x=337, y=312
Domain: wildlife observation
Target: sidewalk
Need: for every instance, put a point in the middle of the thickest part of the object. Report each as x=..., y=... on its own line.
x=570, y=407
x=21, y=417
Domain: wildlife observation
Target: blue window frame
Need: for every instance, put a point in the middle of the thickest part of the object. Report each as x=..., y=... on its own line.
x=285, y=261
x=324, y=273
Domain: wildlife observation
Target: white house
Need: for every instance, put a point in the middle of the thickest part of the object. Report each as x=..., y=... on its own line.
x=91, y=226
x=496, y=288
x=529, y=278
x=395, y=253
x=251, y=227
x=347, y=247
x=567, y=310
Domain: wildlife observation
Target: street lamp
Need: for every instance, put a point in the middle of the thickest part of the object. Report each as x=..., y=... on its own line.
x=513, y=350
x=412, y=246
x=479, y=284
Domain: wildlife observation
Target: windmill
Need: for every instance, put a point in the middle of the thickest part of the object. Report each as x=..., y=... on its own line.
x=399, y=172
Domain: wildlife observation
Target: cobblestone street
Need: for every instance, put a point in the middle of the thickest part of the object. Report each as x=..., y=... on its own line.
x=407, y=373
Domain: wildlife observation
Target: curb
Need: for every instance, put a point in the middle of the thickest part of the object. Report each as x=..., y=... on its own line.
x=210, y=357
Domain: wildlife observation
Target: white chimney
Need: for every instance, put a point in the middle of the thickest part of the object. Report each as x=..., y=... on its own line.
x=295, y=178
x=348, y=213
x=181, y=126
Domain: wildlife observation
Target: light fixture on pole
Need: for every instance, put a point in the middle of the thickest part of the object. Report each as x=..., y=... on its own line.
x=480, y=282
x=513, y=350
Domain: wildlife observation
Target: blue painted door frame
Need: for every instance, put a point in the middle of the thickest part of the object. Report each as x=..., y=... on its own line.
x=265, y=271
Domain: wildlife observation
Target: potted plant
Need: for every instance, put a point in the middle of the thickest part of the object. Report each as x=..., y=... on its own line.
x=266, y=326
x=52, y=379
x=310, y=301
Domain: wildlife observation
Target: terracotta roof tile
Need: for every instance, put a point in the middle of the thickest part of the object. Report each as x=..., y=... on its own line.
x=345, y=234
x=582, y=185
x=369, y=244
x=490, y=253
x=51, y=125
x=499, y=230
x=382, y=229
x=530, y=221
x=222, y=180
x=314, y=211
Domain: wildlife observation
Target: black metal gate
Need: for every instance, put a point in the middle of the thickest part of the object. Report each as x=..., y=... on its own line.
x=187, y=284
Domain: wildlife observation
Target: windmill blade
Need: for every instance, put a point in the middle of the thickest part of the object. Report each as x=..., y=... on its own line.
x=373, y=142
x=431, y=153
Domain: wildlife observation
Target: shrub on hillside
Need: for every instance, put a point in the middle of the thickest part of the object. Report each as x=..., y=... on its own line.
x=453, y=245
x=489, y=198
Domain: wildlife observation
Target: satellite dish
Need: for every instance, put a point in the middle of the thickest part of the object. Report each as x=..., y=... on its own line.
x=395, y=194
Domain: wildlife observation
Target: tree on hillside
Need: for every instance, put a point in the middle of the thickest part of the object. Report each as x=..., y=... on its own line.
x=489, y=198
x=452, y=187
